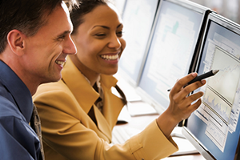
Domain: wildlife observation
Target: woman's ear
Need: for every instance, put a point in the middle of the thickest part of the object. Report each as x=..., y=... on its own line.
x=15, y=40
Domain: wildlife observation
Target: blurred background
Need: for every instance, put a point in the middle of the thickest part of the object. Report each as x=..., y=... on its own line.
x=226, y=8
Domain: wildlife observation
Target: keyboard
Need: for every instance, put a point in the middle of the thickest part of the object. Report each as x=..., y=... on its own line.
x=121, y=134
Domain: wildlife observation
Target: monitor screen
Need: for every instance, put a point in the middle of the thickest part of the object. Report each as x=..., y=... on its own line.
x=215, y=124
x=172, y=50
x=138, y=20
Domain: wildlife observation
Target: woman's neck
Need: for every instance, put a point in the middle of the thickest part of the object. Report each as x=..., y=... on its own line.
x=91, y=76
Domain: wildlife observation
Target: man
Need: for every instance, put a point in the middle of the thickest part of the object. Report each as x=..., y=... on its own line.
x=34, y=42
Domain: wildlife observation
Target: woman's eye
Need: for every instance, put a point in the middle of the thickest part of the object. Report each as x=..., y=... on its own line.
x=119, y=34
x=100, y=34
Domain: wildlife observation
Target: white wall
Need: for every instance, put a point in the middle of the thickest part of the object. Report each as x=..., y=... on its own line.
x=227, y=8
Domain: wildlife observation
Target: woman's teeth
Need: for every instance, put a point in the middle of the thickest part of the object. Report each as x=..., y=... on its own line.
x=110, y=57
x=59, y=62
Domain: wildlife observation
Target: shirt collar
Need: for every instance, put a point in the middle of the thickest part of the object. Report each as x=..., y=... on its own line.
x=17, y=89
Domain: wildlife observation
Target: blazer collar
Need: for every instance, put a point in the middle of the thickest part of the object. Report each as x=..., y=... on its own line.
x=83, y=91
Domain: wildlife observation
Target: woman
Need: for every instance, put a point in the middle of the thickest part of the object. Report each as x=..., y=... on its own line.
x=79, y=112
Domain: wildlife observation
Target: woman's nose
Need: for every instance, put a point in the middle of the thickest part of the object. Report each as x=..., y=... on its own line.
x=114, y=42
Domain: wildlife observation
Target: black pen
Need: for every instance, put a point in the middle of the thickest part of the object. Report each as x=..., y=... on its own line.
x=202, y=76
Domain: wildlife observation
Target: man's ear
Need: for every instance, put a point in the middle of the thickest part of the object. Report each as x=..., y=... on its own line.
x=16, y=41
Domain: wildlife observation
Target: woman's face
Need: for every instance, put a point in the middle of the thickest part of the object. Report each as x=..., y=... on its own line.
x=99, y=42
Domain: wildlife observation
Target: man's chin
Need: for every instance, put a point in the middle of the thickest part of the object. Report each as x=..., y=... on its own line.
x=53, y=79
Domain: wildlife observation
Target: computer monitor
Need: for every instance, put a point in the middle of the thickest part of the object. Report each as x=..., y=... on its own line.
x=214, y=127
x=138, y=20
x=174, y=47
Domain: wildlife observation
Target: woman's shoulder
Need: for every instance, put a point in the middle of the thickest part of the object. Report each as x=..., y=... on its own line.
x=53, y=88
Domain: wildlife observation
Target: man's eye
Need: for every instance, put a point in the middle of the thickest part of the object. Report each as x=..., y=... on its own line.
x=60, y=38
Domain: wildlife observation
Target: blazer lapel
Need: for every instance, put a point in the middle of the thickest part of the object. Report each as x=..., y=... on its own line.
x=112, y=104
x=83, y=91
x=102, y=124
x=86, y=97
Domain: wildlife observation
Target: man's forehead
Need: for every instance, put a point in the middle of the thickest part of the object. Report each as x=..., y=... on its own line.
x=57, y=22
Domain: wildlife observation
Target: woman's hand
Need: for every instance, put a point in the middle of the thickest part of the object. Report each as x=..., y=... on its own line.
x=181, y=105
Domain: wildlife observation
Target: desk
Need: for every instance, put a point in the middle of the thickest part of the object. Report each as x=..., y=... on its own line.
x=140, y=122
x=186, y=157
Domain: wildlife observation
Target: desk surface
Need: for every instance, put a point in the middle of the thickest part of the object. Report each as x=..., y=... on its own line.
x=186, y=157
x=140, y=122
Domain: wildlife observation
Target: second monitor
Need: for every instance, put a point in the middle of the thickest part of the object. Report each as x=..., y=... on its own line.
x=174, y=47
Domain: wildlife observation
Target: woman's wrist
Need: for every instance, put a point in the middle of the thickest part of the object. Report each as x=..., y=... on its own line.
x=166, y=123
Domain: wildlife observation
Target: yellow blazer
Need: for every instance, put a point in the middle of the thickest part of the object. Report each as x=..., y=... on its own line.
x=69, y=133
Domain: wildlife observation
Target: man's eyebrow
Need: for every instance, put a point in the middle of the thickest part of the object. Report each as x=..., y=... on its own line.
x=64, y=33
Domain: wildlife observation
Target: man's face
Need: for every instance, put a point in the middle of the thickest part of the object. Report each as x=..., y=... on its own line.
x=46, y=51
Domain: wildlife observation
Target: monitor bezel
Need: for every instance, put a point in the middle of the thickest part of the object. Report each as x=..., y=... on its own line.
x=234, y=27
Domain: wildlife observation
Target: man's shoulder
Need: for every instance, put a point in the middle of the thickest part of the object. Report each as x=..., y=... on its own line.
x=7, y=108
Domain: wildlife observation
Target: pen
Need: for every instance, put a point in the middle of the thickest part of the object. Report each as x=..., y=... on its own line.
x=202, y=76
